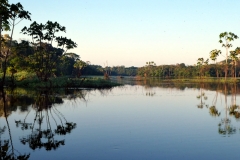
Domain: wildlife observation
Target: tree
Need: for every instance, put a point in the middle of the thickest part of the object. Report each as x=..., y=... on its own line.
x=79, y=66
x=213, y=55
x=201, y=64
x=148, y=68
x=66, y=63
x=46, y=57
x=10, y=16
x=234, y=58
x=227, y=37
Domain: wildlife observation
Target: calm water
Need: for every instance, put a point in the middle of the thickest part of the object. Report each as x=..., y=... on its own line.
x=142, y=121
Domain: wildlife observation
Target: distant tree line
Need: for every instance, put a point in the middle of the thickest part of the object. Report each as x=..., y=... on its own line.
x=202, y=69
x=227, y=68
x=111, y=71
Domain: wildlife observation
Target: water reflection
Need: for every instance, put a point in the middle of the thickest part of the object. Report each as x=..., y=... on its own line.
x=228, y=91
x=182, y=85
x=48, y=127
x=225, y=127
x=202, y=97
x=141, y=120
x=150, y=93
x=7, y=149
x=43, y=132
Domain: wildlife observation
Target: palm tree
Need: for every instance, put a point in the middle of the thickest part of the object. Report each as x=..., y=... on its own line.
x=234, y=58
x=79, y=66
x=213, y=55
x=201, y=64
x=227, y=37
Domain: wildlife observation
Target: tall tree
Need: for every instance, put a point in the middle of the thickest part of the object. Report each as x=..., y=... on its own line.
x=213, y=55
x=79, y=66
x=227, y=37
x=201, y=64
x=10, y=16
x=45, y=58
x=234, y=58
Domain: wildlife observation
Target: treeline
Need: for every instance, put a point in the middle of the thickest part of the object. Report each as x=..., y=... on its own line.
x=52, y=61
x=56, y=63
x=229, y=67
x=47, y=53
x=44, y=60
x=111, y=71
x=191, y=71
x=98, y=70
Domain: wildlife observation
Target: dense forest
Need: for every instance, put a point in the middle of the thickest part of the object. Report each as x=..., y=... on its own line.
x=47, y=61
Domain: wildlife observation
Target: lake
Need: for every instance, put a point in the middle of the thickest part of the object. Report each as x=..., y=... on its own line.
x=140, y=120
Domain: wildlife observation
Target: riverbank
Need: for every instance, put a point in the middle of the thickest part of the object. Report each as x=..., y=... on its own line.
x=66, y=82
x=193, y=80
x=30, y=80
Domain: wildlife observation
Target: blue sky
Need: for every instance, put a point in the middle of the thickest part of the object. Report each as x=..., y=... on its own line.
x=132, y=32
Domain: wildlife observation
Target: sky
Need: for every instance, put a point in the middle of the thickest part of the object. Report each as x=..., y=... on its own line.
x=133, y=32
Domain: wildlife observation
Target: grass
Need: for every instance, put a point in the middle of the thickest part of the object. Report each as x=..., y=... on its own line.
x=31, y=81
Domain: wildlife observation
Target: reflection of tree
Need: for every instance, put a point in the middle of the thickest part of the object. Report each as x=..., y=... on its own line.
x=213, y=111
x=42, y=132
x=14, y=101
x=73, y=94
x=234, y=108
x=201, y=96
x=149, y=91
x=150, y=94
x=233, y=111
x=7, y=150
x=105, y=92
x=225, y=127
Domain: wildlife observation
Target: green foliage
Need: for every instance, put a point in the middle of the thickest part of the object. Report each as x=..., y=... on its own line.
x=9, y=14
x=228, y=36
x=45, y=57
x=79, y=65
x=214, y=54
x=31, y=81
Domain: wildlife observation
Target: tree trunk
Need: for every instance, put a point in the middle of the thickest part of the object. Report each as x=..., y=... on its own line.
x=226, y=70
x=1, y=85
x=235, y=63
x=6, y=57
